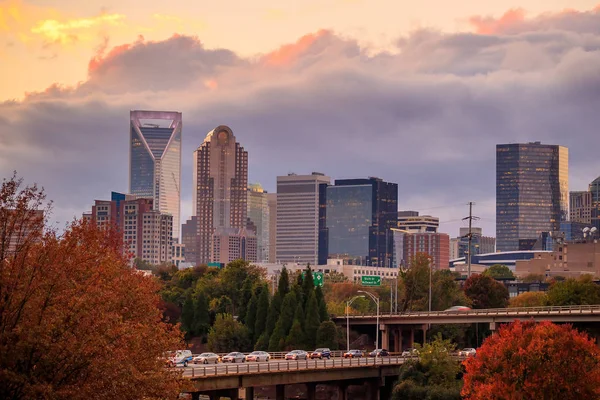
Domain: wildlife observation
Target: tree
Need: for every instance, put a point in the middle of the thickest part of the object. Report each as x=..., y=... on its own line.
x=532, y=278
x=308, y=285
x=142, y=265
x=201, y=322
x=262, y=310
x=251, y=314
x=75, y=318
x=335, y=277
x=499, y=271
x=283, y=286
x=297, y=337
x=416, y=283
x=486, y=292
x=312, y=322
x=323, y=314
x=445, y=291
x=432, y=376
x=528, y=360
x=273, y=316
x=574, y=292
x=246, y=294
x=284, y=323
x=187, y=315
x=529, y=299
x=327, y=335
x=227, y=334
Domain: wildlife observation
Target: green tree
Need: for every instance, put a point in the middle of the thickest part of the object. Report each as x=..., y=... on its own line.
x=284, y=322
x=529, y=299
x=187, y=315
x=297, y=337
x=416, y=283
x=226, y=334
x=221, y=305
x=283, y=287
x=532, y=278
x=327, y=335
x=574, y=292
x=142, y=265
x=274, y=310
x=251, y=314
x=308, y=285
x=486, y=292
x=201, y=322
x=499, y=271
x=312, y=321
x=446, y=292
x=262, y=311
x=246, y=294
x=323, y=314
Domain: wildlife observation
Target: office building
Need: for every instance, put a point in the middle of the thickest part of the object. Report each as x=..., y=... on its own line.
x=580, y=207
x=406, y=245
x=532, y=191
x=360, y=214
x=147, y=233
x=155, y=160
x=412, y=222
x=479, y=244
x=272, y=204
x=301, y=219
x=258, y=213
x=219, y=196
x=230, y=244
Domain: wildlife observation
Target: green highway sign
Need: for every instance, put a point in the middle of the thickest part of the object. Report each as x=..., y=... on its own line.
x=371, y=280
x=318, y=279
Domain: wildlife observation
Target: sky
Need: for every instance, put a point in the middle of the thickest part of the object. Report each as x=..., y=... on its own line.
x=417, y=93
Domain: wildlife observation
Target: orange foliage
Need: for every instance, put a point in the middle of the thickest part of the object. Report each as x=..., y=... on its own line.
x=525, y=360
x=76, y=322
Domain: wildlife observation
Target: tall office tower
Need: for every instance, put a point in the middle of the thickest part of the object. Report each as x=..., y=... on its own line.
x=219, y=197
x=411, y=221
x=360, y=214
x=580, y=207
x=258, y=212
x=408, y=244
x=594, y=190
x=272, y=203
x=301, y=218
x=532, y=191
x=155, y=160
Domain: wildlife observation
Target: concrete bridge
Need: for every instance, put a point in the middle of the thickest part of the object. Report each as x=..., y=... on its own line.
x=399, y=329
x=220, y=380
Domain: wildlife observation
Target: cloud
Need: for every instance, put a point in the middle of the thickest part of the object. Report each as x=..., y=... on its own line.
x=68, y=31
x=427, y=115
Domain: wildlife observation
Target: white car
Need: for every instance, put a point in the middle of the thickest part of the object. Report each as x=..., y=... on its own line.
x=467, y=352
x=410, y=352
x=179, y=358
x=206, y=358
x=297, y=355
x=258, y=356
x=234, y=357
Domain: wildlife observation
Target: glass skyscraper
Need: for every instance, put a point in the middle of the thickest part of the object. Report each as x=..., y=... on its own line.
x=532, y=192
x=360, y=214
x=155, y=160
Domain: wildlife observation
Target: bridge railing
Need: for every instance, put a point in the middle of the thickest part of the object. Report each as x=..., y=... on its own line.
x=280, y=355
x=546, y=310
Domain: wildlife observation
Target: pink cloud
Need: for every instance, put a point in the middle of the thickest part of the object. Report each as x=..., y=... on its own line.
x=288, y=53
x=490, y=25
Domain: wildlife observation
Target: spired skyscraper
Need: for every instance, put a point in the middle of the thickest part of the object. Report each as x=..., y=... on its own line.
x=532, y=192
x=155, y=160
x=219, y=200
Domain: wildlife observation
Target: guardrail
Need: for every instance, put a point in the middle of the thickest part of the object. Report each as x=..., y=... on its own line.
x=280, y=355
x=259, y=368
x=578, y=309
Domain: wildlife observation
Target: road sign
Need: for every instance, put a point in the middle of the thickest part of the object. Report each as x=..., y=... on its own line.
x=371, y=280
x=318, y=279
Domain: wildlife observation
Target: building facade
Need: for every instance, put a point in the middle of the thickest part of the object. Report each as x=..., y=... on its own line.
x=479, y=244
x=258, y=213
x=155, y=160
x=411, y=221
x=408, y=244
x=230, y=244
x=219, y=196
x=360, y=214
x=301, y=219
x=147, y=233
x=272, y=204
x=580, y=207
x=532, y=191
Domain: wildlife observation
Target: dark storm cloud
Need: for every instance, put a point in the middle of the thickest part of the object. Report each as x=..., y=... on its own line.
x=427, y=116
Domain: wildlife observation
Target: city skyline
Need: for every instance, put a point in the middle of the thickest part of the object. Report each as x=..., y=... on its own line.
x=330, y=102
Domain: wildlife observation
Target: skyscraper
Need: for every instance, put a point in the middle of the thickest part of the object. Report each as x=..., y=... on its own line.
x=360, y=213
x=155, y=160
x=272, y=203
x=532, y=191
x=580, y=207
x=258, y=212
x=301, y=218
x=219, y=197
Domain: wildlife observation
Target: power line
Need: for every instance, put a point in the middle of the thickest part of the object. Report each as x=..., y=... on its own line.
x=471, y=217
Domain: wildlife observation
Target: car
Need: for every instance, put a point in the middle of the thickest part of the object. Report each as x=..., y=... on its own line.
x=457, y=309
x=206, y=358
x=353, y=354
x=258, y=356
x=234, y=357
x=321, y=353
x=179, y=358
x=410, y=352
x=297, y=355
x=379, y=353
x=467, y=352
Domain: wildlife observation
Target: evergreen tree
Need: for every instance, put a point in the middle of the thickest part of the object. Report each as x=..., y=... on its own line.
x=296, y=337
x=283, y=287
x=284, y=322
x=308, y=285
x=246, y=294
x=262, y=343
x=312, y=320
x=201, y=323
x=327, y=335
x=251, y=314
x=262, y=310
x=187, y=315
x=273, y=316
x=323, y=314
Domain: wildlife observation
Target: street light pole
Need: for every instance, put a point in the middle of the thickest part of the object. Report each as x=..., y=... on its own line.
x=376, y=300
x=348, y=320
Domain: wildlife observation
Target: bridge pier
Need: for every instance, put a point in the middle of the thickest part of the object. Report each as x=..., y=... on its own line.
x=397, y=340
x=249, y=395
x=342, y=391
x=311, y=391
x=411, y=338
x=373, y=392
x=279, y=392
x=385, y=338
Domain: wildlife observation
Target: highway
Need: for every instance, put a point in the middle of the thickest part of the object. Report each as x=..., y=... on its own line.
x=274, y=366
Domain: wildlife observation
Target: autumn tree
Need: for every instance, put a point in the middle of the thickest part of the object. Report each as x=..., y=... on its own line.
x=529, y=299
x=227, y=334
x=416, y=283
x=76, y=322
x=485, y=292
x=525, y=360
x=499, y=271
x=446, y=292
x=574, y=292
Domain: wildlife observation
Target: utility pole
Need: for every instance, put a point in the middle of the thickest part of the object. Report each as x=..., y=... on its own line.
x=470, y=236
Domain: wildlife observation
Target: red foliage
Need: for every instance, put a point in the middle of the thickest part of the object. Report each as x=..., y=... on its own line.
x=525, y=360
